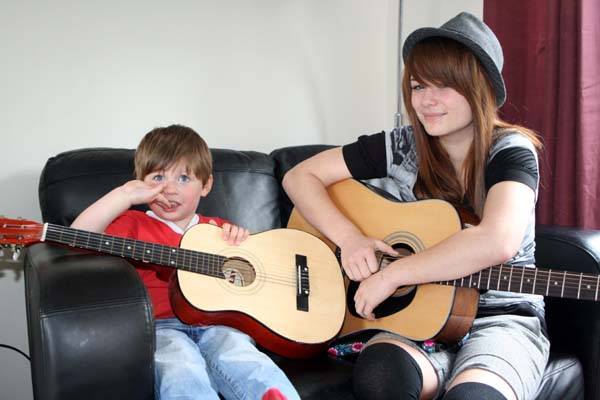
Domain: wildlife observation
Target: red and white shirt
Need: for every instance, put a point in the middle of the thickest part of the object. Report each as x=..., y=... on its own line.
x=148, y=227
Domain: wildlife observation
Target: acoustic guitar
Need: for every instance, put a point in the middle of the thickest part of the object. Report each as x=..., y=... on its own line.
x=445, y=310
x=283, y=287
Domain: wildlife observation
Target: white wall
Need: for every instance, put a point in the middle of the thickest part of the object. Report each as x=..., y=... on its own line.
x=246, y=74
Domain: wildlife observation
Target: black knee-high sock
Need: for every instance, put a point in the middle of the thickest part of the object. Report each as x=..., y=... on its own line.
x=473, y=391
x=385, y=371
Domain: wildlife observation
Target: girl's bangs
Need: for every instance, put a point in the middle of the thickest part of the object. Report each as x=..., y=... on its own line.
x=437, y=61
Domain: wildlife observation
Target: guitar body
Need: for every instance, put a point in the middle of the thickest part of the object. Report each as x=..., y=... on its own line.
x=422, y=312
x=259, y=295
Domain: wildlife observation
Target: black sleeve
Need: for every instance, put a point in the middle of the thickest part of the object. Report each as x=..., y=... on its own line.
x=366, y=158
x=512, y=164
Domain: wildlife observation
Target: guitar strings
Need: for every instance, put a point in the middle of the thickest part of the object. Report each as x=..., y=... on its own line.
x=572, y=280
x=382, y=256
x=214, y=267
x=569, y=274
x=566, y=279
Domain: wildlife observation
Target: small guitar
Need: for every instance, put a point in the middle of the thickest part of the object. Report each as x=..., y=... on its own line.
x=283, y=287
x=445, y=310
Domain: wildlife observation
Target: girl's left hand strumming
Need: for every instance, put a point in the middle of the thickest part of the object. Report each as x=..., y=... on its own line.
x=371, y=292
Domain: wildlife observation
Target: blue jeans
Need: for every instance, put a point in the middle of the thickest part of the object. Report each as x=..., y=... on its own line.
x=197, y=362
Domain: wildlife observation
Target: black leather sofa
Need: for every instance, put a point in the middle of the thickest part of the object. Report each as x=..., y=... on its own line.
x=90, y=324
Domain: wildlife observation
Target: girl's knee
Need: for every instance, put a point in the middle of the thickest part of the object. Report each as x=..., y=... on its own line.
x=478, y=383
x=473, y=391
x=386, y=371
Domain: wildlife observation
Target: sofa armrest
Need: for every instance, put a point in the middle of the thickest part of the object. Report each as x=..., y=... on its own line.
x=90, y=325
x=574, y=326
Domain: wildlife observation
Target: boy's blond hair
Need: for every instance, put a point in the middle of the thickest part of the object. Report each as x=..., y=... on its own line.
x=161, y=148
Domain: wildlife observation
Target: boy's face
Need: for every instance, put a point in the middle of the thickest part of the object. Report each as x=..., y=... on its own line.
x=183, y=192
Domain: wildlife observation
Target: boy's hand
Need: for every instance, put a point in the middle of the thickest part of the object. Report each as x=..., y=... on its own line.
x=139, y=192
x=233, y=234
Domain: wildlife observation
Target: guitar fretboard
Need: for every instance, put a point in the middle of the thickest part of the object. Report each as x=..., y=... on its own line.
x=540, y=281
x=174, y=257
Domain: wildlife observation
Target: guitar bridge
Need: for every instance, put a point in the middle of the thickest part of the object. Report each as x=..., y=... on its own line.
x=302, y=283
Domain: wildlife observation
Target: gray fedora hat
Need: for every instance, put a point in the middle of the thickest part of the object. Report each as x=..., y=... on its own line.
x=477, y=36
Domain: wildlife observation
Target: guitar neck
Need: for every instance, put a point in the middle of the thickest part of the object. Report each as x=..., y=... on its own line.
x=540, y=281
x=153, y=253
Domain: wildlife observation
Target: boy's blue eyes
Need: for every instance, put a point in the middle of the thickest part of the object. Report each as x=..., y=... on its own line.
x=180, y=178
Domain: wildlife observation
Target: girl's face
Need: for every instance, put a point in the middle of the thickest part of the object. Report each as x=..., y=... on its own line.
x=443, y=111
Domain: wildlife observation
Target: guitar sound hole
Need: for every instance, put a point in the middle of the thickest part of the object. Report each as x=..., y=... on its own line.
x=238, y=272
x=399, y=300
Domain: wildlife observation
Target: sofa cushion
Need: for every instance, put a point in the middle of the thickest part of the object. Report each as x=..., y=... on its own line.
x=562, y=379
x=323, y=377
x=331, y=378
x=247, y=191
x=573, y=325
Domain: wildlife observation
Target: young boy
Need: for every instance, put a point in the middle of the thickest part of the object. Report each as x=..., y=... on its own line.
x=173, y=168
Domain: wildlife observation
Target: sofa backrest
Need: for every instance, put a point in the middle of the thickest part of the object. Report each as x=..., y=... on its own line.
x=286, y=158
x=246, y=190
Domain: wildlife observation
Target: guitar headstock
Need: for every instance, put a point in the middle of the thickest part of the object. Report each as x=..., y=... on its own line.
x=10, y=252
x=19, y=232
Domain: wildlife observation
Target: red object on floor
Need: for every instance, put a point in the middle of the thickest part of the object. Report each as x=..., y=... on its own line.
x=273, y=394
